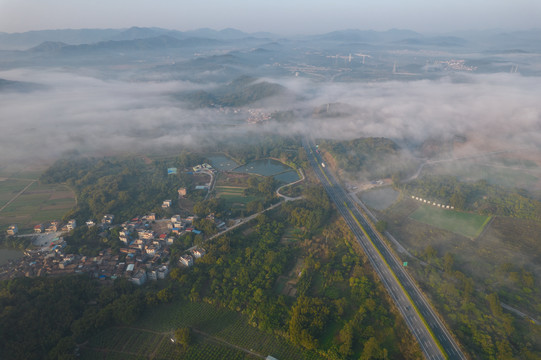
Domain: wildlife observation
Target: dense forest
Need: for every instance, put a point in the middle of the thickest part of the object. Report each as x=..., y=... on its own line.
x=44, y=318
x=123, y=187
x=376, y=157
x=478, y=196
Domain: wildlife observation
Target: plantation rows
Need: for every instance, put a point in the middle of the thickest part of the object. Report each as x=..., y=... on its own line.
x=202, y=350
x=221, y=323
x=171, y=316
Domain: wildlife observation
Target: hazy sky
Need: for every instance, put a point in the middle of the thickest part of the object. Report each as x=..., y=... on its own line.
x=279, y=16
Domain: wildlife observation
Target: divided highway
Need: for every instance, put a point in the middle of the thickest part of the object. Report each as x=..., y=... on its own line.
x=432, y=335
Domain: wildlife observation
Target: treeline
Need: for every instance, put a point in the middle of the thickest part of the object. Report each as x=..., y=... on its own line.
x=44, y=318
x=254, y=146
x=123, y=187
x=378, y=157
x=479, y=196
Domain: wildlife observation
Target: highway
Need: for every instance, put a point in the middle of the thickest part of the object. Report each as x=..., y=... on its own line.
x=433, y=337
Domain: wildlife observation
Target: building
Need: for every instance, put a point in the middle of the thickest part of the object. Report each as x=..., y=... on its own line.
x=186, y=260
x=151, y=217
x=38, y=229
x=90, y=223
x=140, y=277
x=182, y=192
x=166, y=203
x=71, y=224
x=12, y=229
x=198, y=253
x=107, y=219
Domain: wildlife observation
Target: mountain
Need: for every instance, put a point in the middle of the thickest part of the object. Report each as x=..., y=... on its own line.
x=353, y=35
x=21, y=41
x=143, y=44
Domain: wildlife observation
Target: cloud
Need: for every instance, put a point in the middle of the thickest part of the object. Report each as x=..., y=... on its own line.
x=99, y=116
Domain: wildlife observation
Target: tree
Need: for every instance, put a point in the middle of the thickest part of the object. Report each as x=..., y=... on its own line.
x=183, y=337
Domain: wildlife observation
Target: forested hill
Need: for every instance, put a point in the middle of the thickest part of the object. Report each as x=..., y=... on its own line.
x=372, y=154
x=240, y=92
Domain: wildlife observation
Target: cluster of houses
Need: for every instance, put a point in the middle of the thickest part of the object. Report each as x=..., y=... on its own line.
x=428, y=202
x=55, y=226
x=146, y=250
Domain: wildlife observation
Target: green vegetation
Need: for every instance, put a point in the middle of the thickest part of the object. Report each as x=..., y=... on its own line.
x=240, y=92
x=377, y=157
x=123, y=187
x=466, y=224
x=518, y=175
x=43, y=318
x=479, y=197
x=461, y=275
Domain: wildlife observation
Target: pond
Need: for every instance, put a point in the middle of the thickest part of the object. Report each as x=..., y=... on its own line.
x=287, y=177
x=9, y=254
x=379, y=199
x=222, y=163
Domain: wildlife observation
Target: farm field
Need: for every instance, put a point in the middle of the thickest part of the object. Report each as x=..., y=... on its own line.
x=466, y=224
x=39, y=203
x=131, y=343
x=213, y=330
x=11, y=187
x=233, y=195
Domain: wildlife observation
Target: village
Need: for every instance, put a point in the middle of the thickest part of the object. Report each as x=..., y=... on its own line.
x=144, y=255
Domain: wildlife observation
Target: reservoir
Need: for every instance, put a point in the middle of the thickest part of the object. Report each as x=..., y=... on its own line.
x=265, y=167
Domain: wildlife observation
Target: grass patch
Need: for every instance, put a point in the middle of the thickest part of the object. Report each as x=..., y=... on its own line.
x=466, y=224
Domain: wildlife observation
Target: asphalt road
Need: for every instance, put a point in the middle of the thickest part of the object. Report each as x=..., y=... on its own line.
x=433, y=337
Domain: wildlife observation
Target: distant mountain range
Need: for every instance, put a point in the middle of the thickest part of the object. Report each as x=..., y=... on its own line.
x=26, y=40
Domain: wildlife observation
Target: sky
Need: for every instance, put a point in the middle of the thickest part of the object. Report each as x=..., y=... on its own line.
x=285, y=17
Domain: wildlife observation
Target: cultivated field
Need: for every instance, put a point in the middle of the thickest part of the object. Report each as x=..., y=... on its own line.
x=466, y=224
x=218, y=334
x=10, y=188
x=38, y=203
x=233, y=195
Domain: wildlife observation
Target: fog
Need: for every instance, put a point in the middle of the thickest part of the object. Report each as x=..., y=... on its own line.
x=97, y=116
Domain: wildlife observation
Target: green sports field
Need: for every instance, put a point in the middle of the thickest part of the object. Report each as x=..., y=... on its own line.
x=466, y=224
